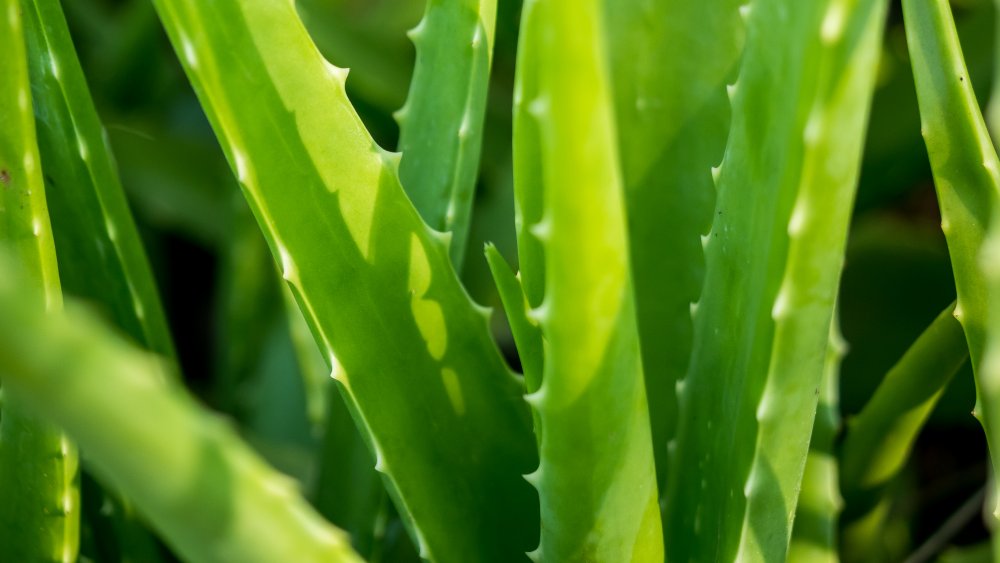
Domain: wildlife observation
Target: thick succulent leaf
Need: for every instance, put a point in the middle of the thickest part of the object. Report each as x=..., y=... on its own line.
x=441, y=125
x=814, y=535
x=100, y=252
x=773, y=259
x=348, y=490
x=40, y=507
x=966, y=177
x=202, y=488
x=373, y=281
x=879, y=439
x=670, y=61
x=597, y=488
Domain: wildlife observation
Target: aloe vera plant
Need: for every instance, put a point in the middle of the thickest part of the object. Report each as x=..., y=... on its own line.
x=679, y=179
x=38, y=474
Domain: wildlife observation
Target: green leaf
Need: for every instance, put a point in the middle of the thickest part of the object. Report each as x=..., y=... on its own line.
x=527, y=334
x=598, y=488
x=966, y=177
x=670, y=61
x=441, y=124
x=373, y=281
x=814, y=535
x=24, y=227
x=202, y=488
x=99, y=249
x=879, y=439
x=100, y=252
x=773, y=260
x=40, y=512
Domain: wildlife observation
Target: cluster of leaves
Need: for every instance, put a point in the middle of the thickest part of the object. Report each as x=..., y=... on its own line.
x=682, y=179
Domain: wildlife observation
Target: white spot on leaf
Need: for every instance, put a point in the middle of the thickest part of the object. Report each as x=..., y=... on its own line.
x=190, y=56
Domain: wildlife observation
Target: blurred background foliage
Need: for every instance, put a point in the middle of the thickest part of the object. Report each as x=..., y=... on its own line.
x=227, y=312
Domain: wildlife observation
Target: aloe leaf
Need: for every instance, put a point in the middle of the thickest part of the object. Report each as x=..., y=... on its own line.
x=814, y=535
x=374, y=282
x=527, y=334
x=966, y=177
x=879, y=439
x=785, y=189
x=348, y=490
x=670, y=61
x=26, y=230
x=598, y=489
x=100, y=252
x=40, y=510
x=202, y=488
x=441, y=124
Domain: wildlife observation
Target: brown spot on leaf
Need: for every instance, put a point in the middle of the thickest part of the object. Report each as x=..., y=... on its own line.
x=4, y=178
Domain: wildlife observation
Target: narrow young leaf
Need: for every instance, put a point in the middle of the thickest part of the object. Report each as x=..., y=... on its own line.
x=670, y=61
x=598, y=489
x=785, y=191
x=202, y=488
x=441, y=124
x=100, y=252
x=966, y=177
x=373, y=281
x=527, y=334
x=879, y=439
x=833, y=133
x=814, y=535
x=39, y=494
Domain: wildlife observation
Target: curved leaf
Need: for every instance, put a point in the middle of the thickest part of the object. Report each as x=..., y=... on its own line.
x=40, y=507
x=441, y=125
x=598, y=488
x=773, y=259
x=202, y=488
x=966, y=177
